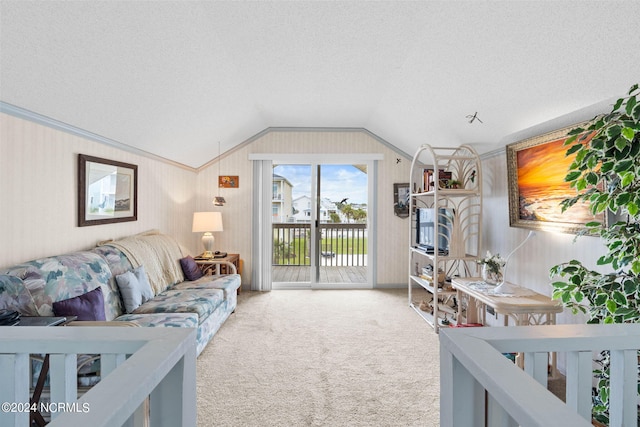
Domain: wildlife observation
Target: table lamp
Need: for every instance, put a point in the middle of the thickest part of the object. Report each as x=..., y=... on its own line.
x=207, y=222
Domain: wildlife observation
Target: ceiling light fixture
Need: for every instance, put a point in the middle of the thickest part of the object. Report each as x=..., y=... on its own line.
x=473, y=117
x=219, y=200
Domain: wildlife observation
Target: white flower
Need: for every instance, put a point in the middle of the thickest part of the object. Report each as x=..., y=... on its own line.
x=493, y=262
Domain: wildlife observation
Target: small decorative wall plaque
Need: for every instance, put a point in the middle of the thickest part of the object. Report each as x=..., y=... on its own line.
x=228, y=181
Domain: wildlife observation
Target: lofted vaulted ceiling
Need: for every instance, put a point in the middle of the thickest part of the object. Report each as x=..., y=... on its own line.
x=174, y=78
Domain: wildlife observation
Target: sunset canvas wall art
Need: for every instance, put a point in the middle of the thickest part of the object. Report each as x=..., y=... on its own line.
x=537, y=167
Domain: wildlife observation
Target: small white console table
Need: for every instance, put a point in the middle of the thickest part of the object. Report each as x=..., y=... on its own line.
x=529, y=309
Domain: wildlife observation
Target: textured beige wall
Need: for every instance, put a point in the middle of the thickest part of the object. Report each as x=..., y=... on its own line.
x=393, y=233
x=38, y=199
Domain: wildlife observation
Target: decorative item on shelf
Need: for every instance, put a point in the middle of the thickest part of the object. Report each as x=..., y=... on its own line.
x=427, y=273
x=427, y=278
x=427, y=304
x=444, y=177
x=427, y=179
x=441, y=277
x=447, y=286
x=492, y=266
x=207, y=222
x=454, y=184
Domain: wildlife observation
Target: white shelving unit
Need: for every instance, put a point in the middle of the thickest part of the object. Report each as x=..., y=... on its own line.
x=445, y=208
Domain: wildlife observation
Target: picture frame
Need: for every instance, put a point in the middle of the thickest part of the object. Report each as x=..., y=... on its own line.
x=228, y=181
x=107, y=191
x=401, y=194
x=536, y=168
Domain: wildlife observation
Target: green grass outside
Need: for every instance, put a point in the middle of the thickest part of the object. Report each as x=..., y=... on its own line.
x=338, y=246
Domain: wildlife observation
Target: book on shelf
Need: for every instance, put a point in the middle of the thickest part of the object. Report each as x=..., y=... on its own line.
x=444, y=177
x=427, y=180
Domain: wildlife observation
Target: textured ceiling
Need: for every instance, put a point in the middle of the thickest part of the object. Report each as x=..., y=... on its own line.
x=174, y=78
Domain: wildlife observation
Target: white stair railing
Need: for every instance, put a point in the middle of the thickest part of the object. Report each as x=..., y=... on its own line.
x=158, y=364
x=479, y=386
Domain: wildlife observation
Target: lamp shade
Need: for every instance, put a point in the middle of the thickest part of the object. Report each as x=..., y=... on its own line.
x=207, y=221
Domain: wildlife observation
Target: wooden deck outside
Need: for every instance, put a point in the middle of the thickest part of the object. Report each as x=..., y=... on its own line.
x=330, y=274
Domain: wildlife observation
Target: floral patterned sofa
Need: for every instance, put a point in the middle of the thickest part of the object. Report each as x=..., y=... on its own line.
x=33, y=288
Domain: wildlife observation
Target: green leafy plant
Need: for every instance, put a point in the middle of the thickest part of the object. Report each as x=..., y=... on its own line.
x=606, y=175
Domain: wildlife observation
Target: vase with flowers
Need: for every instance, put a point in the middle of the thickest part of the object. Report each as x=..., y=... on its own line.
x=492, y=268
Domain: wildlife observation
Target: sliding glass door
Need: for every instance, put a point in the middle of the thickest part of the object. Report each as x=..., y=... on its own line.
x=320, y=217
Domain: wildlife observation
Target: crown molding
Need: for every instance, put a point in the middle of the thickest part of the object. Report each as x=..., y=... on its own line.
x=43, y=120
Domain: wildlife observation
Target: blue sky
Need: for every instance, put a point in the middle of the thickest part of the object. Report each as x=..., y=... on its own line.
x=337, y=181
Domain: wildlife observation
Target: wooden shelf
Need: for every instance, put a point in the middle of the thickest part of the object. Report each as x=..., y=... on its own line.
x=429, y=287
x=449, y=192
x=467, y=257
x=462, y=210
x=427, y=317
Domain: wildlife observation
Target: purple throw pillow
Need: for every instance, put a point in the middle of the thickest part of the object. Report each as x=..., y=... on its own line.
x=89, y=306
x=190, y=268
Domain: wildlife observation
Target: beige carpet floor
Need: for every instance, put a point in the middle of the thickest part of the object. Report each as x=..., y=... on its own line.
x=321, y=358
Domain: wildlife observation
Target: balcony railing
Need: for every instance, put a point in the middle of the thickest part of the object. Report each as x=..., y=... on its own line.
x=137, y=364
x=340, y=244
x=478, y=383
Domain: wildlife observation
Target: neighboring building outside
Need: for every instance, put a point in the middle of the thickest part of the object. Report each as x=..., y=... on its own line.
x=286, y=209
x=302, y=207
x=282, y=209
